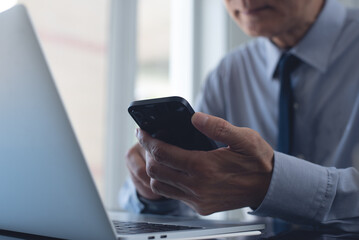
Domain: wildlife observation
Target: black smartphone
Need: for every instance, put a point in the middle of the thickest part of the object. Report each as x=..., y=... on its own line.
x=169, y=119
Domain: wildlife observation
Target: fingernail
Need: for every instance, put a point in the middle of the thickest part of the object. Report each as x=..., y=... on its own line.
x=137, y=131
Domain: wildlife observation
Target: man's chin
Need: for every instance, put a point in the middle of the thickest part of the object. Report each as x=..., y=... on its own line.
x=258, y=32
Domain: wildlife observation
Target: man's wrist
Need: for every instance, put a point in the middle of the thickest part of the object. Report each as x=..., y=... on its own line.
x=263, y=182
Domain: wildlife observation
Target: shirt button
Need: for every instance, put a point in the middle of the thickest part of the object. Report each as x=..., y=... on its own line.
x=295, y=106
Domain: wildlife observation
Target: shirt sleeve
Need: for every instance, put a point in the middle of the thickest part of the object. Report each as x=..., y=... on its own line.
x=306, y=193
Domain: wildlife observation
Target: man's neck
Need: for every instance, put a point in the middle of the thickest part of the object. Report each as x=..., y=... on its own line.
x=290, y=38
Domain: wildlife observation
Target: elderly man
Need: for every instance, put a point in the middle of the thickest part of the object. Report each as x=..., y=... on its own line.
x=295, y=88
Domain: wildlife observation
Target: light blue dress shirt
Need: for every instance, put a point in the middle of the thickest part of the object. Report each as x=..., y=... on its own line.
x=319, y=184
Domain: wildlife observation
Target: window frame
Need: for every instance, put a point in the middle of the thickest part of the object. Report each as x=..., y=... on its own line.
x=120, y=92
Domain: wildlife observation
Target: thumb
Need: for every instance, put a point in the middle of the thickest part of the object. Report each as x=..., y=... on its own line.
x=216, y=128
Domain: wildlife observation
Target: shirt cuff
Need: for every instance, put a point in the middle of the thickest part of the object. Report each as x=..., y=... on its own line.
x=297, y=192
x=128, y=199
x=162, y=206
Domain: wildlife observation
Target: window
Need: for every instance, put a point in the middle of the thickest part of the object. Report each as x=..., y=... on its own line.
x=73, y=35
x=138, y=29
x=153, y=46
x=6, y=4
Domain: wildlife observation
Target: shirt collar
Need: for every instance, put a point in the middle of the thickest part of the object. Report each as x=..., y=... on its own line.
x=316, y=46
x=273, y=55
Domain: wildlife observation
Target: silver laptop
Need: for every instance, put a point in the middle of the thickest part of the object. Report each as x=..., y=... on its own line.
x=45, y=185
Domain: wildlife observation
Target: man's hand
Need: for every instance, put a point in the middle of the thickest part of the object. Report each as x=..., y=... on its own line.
x=218, y=180
x=136, y=164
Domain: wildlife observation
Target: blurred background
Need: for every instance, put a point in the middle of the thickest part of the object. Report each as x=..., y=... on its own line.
x=105, y=54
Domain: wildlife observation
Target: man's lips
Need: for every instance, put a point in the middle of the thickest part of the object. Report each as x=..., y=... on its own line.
x=254, y=10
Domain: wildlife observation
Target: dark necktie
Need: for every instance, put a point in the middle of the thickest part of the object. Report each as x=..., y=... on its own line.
x=286, y=66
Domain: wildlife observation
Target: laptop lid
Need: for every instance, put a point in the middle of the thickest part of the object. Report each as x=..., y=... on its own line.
x=45, y=185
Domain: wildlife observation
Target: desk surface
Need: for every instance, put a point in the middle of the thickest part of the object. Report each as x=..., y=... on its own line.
x=290, y=233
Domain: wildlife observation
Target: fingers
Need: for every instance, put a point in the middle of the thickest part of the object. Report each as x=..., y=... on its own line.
x=137, y=167
x=136, y=164
x=142, y=166
x=167, y=191
x=166, y=154
x=167, y=175
x=216, y=128
x=144, y=190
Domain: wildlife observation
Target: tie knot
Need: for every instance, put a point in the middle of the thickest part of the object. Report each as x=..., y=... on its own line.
x=288, y=63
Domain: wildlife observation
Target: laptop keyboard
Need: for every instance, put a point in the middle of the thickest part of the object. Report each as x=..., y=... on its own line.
x=144, y=227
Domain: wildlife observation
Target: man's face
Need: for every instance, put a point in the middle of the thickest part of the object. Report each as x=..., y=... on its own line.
x=269, y=18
